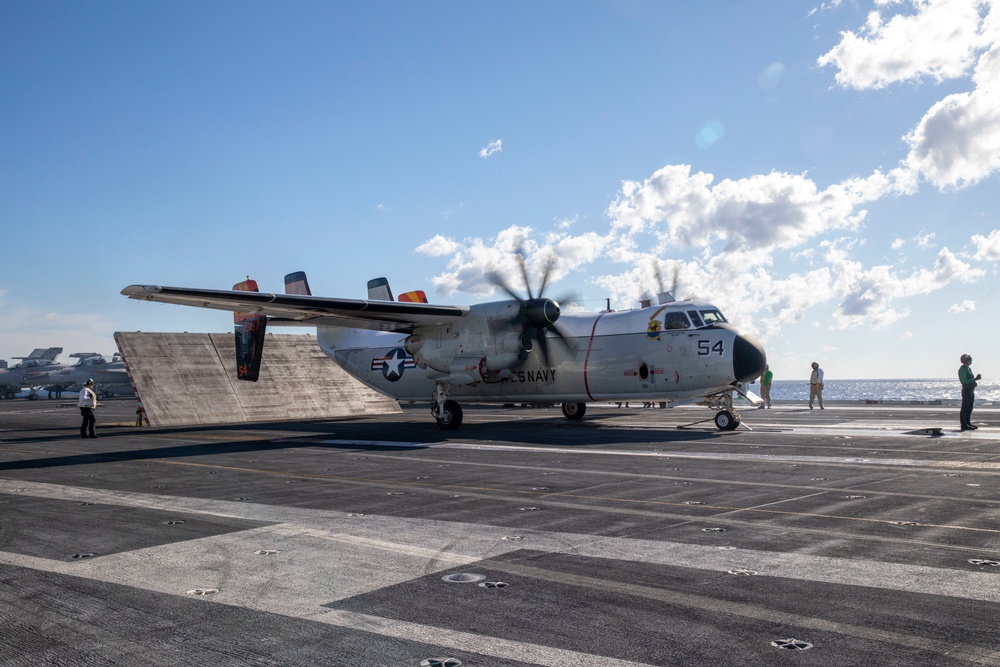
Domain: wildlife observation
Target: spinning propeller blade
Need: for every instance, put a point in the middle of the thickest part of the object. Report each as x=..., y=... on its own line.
x=536, y=315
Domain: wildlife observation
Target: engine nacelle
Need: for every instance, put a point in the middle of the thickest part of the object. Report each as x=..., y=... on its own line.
x=504, y=360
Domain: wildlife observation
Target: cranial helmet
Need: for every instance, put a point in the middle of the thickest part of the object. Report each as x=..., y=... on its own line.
x=965, y=359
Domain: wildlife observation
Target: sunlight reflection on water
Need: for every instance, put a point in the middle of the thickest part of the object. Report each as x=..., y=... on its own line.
x=884, y=390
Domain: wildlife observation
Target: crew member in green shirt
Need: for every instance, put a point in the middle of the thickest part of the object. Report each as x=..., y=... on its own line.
x=765, y=386
x=968, y=392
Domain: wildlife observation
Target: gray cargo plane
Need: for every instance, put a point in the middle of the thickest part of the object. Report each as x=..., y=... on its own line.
x=521, y=349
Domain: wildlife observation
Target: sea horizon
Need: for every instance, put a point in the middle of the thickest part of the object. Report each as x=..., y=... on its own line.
x=892, y=390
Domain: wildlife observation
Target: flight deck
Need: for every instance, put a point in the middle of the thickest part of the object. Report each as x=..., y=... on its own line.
x=854, y=535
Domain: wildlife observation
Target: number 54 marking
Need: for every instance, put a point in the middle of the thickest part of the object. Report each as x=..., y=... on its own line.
x=705, y=348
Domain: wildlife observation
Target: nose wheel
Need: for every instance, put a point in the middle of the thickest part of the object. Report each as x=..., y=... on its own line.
x=726, y=420
x=449, y=417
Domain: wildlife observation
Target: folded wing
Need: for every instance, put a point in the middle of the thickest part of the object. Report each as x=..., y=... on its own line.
x=292, y=309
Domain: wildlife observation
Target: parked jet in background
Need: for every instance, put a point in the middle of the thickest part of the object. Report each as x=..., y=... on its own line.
x=14, y=378
x=110, y=377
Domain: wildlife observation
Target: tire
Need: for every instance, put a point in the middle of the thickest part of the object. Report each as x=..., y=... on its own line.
x=9, y=395
x=574, y=411
x=452, y=417
x=726, y=420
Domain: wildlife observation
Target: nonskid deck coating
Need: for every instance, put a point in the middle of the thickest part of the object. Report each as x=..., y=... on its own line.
x=622, y=539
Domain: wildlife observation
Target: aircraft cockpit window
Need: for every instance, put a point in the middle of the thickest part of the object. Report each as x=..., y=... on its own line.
x=676, y=321
x=696, y=318
x=712, y=317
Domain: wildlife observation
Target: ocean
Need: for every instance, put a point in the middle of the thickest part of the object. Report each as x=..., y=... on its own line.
x=946, y=391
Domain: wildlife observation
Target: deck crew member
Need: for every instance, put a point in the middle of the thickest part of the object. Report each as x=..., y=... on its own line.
x=968, y=392
x=88, y=402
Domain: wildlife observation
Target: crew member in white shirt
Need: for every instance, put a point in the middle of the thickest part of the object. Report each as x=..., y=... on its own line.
x=816, y=386
x=88, y=402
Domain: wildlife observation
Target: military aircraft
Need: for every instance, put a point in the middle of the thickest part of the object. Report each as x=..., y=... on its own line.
x=514, y=350
x=110, y=377
x=15, y=378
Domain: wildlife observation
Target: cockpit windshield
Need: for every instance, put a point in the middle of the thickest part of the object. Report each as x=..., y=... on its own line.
x=676, y=321
x=712, y=317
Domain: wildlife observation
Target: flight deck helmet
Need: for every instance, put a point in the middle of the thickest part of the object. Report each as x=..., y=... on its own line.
x=966, y=359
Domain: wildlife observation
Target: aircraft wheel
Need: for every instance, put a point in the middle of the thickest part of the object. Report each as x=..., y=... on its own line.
x=726, y=420
x=9, y=395
x=32, y=397
x=101, y=395
x=574, y=411
x=452, y=416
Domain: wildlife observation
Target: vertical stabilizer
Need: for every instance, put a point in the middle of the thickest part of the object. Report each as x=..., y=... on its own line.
x=378, y=290
x=416, y=296
x=250, y=328
x=297, y=283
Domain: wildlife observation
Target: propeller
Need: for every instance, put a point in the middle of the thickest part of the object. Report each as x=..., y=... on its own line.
x=536, y=315
x=661, y=289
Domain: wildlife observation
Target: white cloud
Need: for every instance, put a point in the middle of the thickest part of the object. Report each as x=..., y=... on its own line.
x=964, y=307
x=491, y=148
x=734, y=232
x=776, y=210
x=24, y=329
x=987, y=247
x=939, y=40
x=437, y=246
x=957, y=142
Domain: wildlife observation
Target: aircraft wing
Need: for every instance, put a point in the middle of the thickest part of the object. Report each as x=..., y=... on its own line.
x=309, y=310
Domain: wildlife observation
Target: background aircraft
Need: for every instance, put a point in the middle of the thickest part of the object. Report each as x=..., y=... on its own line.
x=110, y=377
x=516, y=350
x=13, y=379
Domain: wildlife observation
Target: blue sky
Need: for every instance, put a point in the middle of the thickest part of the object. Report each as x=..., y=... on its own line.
x=826, y=174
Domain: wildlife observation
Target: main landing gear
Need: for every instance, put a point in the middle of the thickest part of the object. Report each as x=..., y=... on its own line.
x=447, y=413
x=574, y=411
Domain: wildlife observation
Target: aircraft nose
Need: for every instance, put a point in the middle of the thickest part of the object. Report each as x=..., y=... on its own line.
x=749, y=359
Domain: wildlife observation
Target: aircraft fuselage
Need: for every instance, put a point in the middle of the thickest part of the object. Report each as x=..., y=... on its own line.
x=626, y=355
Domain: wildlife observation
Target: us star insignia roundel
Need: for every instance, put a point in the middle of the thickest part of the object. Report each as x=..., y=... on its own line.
x=393, y=364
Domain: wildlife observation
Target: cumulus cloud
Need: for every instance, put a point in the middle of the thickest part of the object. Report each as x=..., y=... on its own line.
x=964, y=307
x=491, y=148
x=957, y=142
x=939, y=40
x=987, y=247
x=437, y=246
x=771, y=248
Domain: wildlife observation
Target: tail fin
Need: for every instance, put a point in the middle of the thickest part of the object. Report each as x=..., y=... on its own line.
x=416, y=296
x=297, y=283
x=250, y=328
x=48, y=354
x=378, y=290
